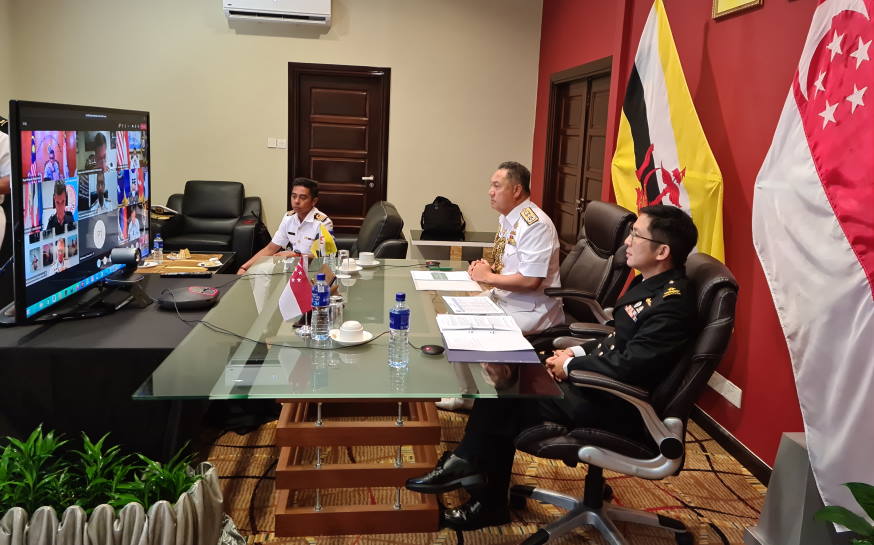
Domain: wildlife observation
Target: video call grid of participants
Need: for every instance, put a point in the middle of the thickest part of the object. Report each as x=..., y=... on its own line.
x=74, y=182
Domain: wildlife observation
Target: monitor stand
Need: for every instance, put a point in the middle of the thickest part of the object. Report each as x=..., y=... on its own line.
x=106, y=297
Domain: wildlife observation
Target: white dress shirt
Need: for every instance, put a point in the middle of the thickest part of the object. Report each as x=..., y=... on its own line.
x=298, y=236
x=531, y=249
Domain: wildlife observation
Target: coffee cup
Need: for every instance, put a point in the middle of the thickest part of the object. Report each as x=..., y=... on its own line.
x=366, y=258
x=351, y=332
x=347, y=264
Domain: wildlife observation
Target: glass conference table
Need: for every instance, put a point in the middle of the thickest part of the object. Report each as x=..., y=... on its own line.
x=244, y=350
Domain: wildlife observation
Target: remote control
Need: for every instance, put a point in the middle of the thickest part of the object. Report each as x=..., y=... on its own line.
x=186, y=275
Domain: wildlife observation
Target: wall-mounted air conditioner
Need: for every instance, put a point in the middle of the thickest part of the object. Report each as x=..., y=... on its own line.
x=305, y=12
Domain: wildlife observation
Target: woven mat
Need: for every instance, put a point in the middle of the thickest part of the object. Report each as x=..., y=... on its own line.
x=179, y=265
x=714, y=496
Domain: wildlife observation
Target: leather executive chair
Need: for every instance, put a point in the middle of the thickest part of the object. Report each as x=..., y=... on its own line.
x=664, y=411
x=214, y=216
x=381, y=232
x=593, y=273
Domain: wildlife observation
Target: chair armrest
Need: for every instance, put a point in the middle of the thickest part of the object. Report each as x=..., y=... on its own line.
x=391, y=249
x=243, y=239
x=173, y=226
x=252, y=207
x=589, y=330
x=175, y=202
x=667, y=434
x=567, y=342
x=602, y=315
x=344, y=241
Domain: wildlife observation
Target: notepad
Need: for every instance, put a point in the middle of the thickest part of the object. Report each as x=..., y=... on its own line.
x=444, y=281
x=477, y=304
x=482, y=333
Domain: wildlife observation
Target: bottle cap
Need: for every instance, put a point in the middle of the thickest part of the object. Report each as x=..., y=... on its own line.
x=320, y=277
x=400, y=296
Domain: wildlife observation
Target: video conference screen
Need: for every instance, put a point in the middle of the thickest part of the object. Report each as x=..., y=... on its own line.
x=80, y=189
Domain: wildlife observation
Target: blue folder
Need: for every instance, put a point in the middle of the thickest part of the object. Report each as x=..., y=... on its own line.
x=508, y=356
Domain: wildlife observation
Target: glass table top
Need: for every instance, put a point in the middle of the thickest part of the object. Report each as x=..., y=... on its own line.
x=243, y=349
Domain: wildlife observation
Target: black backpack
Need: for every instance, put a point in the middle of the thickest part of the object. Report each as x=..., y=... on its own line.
x=442, y=220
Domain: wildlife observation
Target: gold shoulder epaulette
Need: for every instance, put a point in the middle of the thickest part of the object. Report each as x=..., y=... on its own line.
x=530, y=216
x=320, y=217
x=290, y=213
x=670, y=292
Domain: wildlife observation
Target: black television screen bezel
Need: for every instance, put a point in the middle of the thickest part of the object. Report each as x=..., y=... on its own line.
x=17, y=210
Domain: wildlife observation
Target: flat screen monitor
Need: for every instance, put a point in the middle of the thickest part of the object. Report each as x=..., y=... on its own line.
x=80, y=188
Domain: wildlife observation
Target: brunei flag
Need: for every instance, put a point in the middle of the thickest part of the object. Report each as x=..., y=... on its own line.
x=662, y=155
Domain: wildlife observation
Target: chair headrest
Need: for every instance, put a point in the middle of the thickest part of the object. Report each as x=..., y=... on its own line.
x=383, y=222
x=605, y=226
x=213, y=199
x=708, y=275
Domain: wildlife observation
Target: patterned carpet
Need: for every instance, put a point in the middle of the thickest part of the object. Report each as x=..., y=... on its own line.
x=714, y=496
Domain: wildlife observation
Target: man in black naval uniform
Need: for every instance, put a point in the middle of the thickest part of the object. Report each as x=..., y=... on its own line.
x=654, y=324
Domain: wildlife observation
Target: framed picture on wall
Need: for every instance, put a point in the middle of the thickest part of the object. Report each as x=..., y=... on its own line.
x=727, y=7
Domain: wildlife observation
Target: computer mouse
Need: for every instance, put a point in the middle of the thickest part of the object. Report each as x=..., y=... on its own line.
x=432, y=349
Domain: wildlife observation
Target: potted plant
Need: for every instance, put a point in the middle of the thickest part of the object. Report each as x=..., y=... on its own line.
x=110, y=496
x=864, y=496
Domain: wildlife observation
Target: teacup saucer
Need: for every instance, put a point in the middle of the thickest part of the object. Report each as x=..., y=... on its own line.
x=365, y=336
x=369, y=265
x=210, y=264
x=147, y=264
x=356, y=268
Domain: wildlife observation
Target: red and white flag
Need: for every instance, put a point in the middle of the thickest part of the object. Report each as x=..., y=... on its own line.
x=297, y=297
x=813, y=229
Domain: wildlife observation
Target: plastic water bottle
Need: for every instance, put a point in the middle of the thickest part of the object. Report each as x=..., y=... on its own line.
x=399, y=328
x=321, y=318
x=158, y=248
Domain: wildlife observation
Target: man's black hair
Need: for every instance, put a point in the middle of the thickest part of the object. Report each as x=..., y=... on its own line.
x=674, y=227
x=517, y=173
x=312, y=185
x=99, y=140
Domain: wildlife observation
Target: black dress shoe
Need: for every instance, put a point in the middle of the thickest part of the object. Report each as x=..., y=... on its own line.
x=451, y=472
x=474, y=515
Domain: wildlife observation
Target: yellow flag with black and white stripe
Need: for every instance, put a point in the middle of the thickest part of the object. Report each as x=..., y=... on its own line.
x=662, y=155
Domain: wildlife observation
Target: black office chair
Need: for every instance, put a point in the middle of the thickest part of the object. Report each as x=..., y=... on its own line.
x=664, y=412
x=593, y=273
x=381, y=233
x=213, y=217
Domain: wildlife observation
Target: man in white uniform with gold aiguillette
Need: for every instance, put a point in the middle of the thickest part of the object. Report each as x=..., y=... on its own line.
x=525, y=254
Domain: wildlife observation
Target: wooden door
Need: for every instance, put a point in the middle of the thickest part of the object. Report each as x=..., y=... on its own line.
x=575, y=146
x=338, y=119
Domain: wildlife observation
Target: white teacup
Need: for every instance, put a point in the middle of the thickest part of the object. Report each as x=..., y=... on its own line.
x=347, y=264
x=351, y=332
x=366, y=258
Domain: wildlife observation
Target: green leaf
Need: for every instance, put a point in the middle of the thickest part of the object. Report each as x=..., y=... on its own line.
x=864, y=495
x=845, y=517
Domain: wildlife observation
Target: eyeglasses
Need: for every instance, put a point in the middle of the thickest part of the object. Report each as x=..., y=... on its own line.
x=635, y=234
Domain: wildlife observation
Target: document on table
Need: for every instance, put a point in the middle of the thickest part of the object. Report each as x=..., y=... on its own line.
x=478, y=304
x=444, y=281
x=481, y=333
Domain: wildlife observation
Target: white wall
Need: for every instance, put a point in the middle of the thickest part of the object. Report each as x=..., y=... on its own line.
x=463, y=87
x=6, y=73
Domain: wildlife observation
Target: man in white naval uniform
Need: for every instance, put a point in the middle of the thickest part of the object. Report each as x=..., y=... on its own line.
x=525, y=259
x=299, y=227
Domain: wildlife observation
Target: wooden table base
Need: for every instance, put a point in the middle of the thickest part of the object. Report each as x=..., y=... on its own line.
x=300, y=427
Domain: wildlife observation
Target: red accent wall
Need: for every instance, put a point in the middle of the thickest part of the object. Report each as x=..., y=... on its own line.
x=738, y=70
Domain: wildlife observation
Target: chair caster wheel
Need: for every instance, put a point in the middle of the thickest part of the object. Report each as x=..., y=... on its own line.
x=537, y=538
x=685, y=538
x=518, y=502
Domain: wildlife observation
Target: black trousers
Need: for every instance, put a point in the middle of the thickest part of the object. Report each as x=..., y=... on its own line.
x=494, y=424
